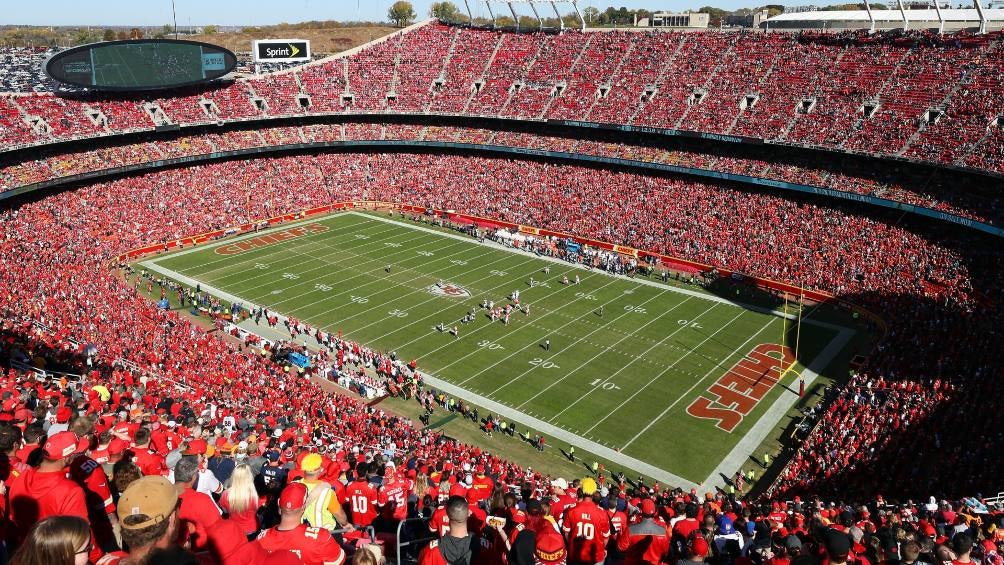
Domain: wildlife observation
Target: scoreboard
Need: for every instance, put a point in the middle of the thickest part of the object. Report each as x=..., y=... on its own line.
x=142, y=64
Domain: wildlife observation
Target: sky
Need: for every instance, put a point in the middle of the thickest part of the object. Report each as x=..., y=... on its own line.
x=265, y=12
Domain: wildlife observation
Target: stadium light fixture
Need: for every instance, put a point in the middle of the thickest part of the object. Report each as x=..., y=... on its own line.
x=533, y=8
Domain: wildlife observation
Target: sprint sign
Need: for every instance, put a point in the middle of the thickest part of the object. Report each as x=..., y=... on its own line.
x=739, y=390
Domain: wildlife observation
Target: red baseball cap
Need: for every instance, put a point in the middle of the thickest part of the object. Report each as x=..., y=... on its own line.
x=196, y=447
x=117, y=446
x=61, y=445
x=648, y=507
x=63, y=414
x=699, y=547
x=293, y=496
x=458, y=490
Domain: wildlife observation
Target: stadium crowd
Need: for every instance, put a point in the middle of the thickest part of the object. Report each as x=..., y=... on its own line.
x=209, y=413
x=942, y=192
x=914, y=94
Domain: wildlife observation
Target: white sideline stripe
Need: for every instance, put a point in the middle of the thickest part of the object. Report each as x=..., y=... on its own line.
x=553, y=431
x=699, y=381
x=670, y=288
x=768, y=421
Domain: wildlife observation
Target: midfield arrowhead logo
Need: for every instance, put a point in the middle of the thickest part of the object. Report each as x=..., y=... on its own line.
x=449, y=289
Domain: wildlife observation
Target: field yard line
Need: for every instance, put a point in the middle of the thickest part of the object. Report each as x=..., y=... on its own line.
x=419, y=320
x=581, y=338
x=697, y=382
x=782, y=404
x=476, y=330
x=325, y=264
x=667, y=368
x=604, y=350
x=552, y=431
x=426, y=301
x=507, y=357
x=640, y=357
x=272, y=249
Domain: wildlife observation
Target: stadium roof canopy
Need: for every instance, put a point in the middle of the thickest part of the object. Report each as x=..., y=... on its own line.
x=943, y=19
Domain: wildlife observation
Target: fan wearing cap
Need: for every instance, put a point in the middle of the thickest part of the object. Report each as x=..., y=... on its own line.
x=45, y=491
x=645, y=542
x=560, y=498
x=314, y=546
x=482, y=484
x=537, y=542
x=322, y=508
x=148, y=514
x=586, y=527
x=362, y=497
x=62, y=424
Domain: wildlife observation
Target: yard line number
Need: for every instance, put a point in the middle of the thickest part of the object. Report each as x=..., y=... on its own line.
x=543, y=363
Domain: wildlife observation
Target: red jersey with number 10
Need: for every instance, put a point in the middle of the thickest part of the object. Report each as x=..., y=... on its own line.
x=362, y=501
x=587, y=529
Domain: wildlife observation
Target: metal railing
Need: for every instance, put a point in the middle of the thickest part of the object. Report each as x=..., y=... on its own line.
x=411, y=542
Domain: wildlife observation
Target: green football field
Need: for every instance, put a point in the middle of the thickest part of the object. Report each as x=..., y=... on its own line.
x=627, y=357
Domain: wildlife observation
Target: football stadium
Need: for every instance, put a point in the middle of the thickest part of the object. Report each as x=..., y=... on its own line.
x=502, y=283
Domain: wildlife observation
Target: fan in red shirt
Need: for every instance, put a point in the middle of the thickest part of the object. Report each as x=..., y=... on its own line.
x=482, y=485
x=560, y=499
x=440, y=522
x=314, y=546
x=586, y=527
x=647, y=542
x=688, y=525
x=362, y=498
x=39, y=493
x=149, y=463
x=393, y=497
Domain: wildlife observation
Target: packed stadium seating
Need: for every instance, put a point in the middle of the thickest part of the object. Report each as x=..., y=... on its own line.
x=844, y=91
x=879, y=265
x=939, y=192
x=919, y=415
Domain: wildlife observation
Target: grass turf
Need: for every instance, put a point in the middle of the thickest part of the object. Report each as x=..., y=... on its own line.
x=623, y=378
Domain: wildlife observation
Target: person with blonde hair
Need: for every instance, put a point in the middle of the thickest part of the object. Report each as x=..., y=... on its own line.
x=58, y=540
x=241, y=501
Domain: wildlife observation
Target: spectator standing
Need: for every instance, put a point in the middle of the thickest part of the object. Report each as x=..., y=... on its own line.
x=457, y=546
x=586, y=527
x=241, y=501
x=315, y=546
x=45, y=491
